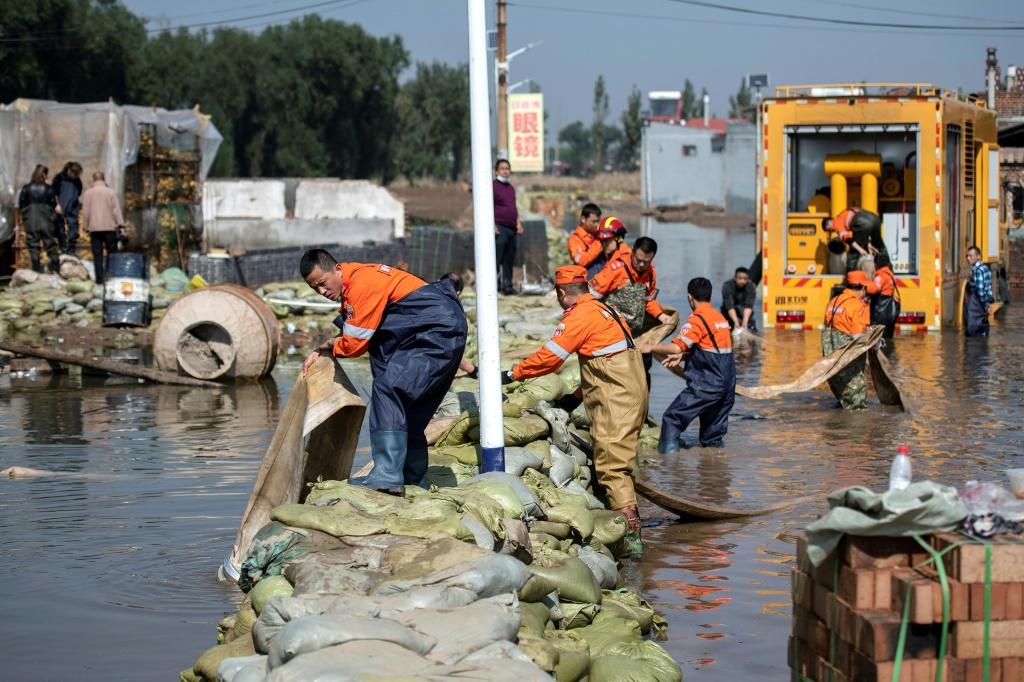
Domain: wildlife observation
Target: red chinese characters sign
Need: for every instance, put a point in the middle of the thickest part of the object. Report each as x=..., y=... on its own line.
x=526, y=132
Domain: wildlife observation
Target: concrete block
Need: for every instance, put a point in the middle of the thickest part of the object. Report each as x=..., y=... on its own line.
x=318, y=199
x=262, y=234
x=258, y=199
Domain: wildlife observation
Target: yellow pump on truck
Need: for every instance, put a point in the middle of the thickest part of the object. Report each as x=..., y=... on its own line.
x=923, y=158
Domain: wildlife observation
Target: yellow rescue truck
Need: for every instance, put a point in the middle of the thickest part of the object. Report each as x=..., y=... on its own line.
x=923, y=158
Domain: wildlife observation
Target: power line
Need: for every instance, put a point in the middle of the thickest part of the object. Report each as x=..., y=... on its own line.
x=336, y=4
x=845, y=22
x=726, y=22
x=890, y=10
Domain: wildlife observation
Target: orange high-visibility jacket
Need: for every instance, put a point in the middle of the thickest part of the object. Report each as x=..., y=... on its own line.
x=587, y=328
x=367, y=289
x=695, y=333
x=848, y=314
x=619, y=272
x=841, y=224
x=584, y=247
x=884, y=284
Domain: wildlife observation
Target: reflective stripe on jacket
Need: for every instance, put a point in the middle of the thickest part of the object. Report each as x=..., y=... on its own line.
x=706, y=337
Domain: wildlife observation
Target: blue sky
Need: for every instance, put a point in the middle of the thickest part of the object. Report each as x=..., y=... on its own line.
x=664, y=42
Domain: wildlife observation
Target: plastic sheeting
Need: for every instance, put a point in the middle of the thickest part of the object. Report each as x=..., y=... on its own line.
x=100, y=136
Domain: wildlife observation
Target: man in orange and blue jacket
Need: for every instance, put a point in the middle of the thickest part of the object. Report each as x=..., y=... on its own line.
x=584, y=246
x=415, y=333
x=710, y=373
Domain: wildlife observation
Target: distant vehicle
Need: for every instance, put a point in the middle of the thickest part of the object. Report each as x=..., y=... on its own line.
x=923, y=158
x=666, y=106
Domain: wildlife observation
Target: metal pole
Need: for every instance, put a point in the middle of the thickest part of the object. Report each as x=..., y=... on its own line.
x=501, y=85
x=492, y=431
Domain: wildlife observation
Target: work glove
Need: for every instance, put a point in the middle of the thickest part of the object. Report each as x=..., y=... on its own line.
x=737, y=332
x=506, y=378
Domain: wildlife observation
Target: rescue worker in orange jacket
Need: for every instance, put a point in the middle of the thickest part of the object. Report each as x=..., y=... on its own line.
x=415, y=333
x=885, y=295
x=847, y=317
x=710, y=373
x=611, y=377
x=584, y=246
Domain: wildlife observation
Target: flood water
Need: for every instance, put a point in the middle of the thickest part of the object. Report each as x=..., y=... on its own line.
x=109, y=570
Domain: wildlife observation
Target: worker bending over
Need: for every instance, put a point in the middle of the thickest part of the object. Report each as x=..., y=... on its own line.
x=847, y=317
x=710, y=373
x=584, y=246
x=611, y=376
x=415, y=333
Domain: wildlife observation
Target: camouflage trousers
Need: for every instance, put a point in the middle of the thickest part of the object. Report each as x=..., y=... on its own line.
x=849, y=386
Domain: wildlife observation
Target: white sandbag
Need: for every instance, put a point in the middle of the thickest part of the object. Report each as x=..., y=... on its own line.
x=481, y=536
x=353, y=661
x=313, y=633
x=526, y=497
x=486, y=577
x=577, y=489
x=499, y=662
x=460, y=632
x=604, y=569
x=429, y=597
x=578, y=455
x=279, y=611
x=519, y=459
x=562, y=469
x=230, y=669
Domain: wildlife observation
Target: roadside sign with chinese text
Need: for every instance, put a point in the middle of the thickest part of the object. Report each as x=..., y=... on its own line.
x=526, y=132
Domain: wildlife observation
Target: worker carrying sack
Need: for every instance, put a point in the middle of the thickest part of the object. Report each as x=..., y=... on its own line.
x=630, y=302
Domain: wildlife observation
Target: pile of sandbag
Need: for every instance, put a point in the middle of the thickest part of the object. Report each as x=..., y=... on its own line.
x=502, y=576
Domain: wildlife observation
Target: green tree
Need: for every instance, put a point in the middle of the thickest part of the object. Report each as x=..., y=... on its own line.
x=599, y=145
x=576, y=147
x=632, y=131
x=689, y=100
x=739, y=104
x=433, y=115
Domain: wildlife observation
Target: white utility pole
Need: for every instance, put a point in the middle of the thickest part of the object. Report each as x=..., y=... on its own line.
x=492, y=430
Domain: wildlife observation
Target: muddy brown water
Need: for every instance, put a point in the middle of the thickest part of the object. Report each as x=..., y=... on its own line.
x=109, y=569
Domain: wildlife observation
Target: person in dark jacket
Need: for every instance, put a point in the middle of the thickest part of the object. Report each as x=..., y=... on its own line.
x=507, y=226
x=37, y=206
x=978, y=296
x=710, y=373
x=739, y=295
x=67, y=188
x=415, y=334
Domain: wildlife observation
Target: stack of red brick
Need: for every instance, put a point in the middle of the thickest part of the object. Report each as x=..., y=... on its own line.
x=847, y=611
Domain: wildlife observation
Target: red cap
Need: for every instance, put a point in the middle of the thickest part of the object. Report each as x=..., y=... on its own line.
x=903, y=450
x=571, y=274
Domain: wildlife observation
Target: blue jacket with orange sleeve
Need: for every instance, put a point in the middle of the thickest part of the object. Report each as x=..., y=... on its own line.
x=707, y=341
x=588, y=328
x=367, y=289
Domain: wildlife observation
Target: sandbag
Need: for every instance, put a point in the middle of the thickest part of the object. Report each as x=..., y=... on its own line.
x=518, y=430
x=230, y=669
x=558, y=423
x=205, y=667
x=518, y=459
x=629, y=605
x=460, y=632
x=449, y=475
x=640, y=661
x=343, y=518
x=527, y=393
x=237, y=624
x=609, y=526
x=500, y=490
x=562, y=468
x=572, y=666
x=542, y=652
x=273, y=546
x=331, y=572
x=464, y=453
x=313, y=633
x=574, y=579
x=273, y=586
x=577, y=615
x=527, y=500
x=574, y=511
x=482, y=507
x=326, y=493
x=536, y=588
x=355, y=660
x=486, y=577
x=604, y=569
x=498, y=662
x=559, y=531
x=414, y=561
x=534, y=617
x=279, y=611
x=606, y=633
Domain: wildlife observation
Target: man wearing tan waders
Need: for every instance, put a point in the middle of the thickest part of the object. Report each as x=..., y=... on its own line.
x=613, y=385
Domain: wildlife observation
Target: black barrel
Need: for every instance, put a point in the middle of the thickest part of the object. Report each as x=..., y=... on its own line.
x=126, y=299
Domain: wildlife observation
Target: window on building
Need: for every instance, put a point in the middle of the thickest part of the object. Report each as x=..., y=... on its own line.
x=689, y=150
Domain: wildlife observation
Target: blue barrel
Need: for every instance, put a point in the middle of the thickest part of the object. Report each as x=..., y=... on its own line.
x=126, y=299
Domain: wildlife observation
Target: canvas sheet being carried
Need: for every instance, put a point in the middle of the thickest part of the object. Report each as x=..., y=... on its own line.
x=316, y=436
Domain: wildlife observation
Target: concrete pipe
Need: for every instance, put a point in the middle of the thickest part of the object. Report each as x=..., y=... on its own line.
x=224, y=331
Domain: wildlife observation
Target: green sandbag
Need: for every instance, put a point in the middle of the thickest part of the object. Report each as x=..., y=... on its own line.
x=238, y=624
x=578, y=615
x=206, y=665
x=411, y=560
x=77, y=286
x=369, y=500
x=573, y=655
x=649, y=437
x=629, y=605
x=518, y=430
x=534, y=618
x=528, y=393
x=541, y=448
x=463, y=453
x=641, y=661
x=488, y=510
x=340, y=519
x=570, y=373
x=466, y=429
x=542, y=652
x=449, y=475
x=574, y=513
x=540, y=539
x=605, y=633
x=574, y=579
x=559, y=531
x=609, y=526
x=274, y=586
x=429, y=517
x=501, y=493
x=536, y=588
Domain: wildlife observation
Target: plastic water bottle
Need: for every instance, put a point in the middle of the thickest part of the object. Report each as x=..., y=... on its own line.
x=899, y=474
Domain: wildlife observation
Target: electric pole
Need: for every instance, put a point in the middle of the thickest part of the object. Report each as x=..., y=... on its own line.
x=502, y=84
